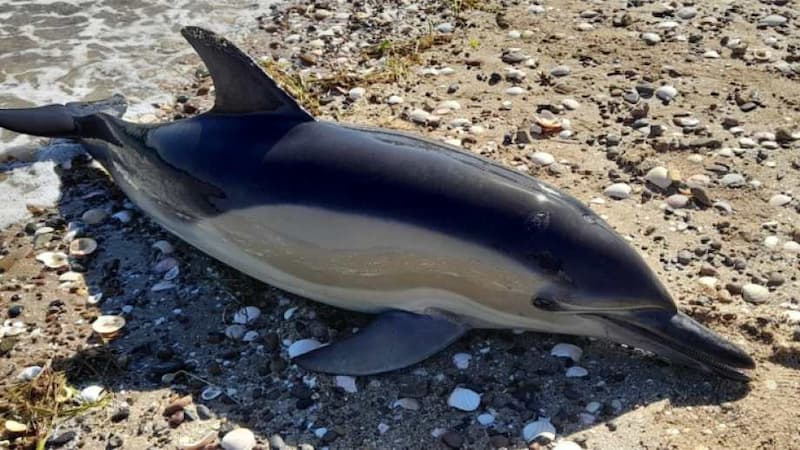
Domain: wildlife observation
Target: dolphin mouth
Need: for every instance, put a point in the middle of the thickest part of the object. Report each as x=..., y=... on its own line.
x=679, y=338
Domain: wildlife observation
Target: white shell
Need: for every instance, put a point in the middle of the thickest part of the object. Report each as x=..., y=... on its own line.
x=239, y=439
x=619, y=191
x=108, y=326
x=29, y=373
x=567, y=445
x=464, y=399
x=82, y=247
x=461, y=360
x=577, y=372
x=302, y=346
x=541, y=428
x=123, y=216
x=406, y=403
x=210, y=393
x=94, y=298
x=53, y=260
x=163, y=246
x=92, y=394
x=564, y=350
x=246, y=315
x=659, y=176
x=165, y=265
x=346, y=382
x=172, y=273
x=235, y=332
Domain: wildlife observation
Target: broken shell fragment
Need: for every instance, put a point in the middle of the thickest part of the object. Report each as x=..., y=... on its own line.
x=210, y=393
x=540, y=428
x=165, y=265
x=464, y=399
x=163, y=246
x=82, y=247
x=564, y=350
x=302, y=346
x=246, y=315
x=108, y=327
x=92, y=394
x=14, y=427
x=53, y=260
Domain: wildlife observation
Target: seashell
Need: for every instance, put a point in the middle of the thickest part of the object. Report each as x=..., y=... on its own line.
x=464, y=399
x=43, y=230
x=461, y=360
x=94, y=216
x=94, y=298
x=246, y=315
x=201, y=443
x=235, y=332
x=289, y=313
x=91, y=394
x=485, y=419
x=567, y=445
x=165, y=265
x=82, y=247
x=576, y=372
x=70, y=277
x=29, y=373
x=406, y=403
x=108, y=327
x=347, y=383
x=14, y=427
x=53, y=260
x=564, y=350
x=162, y=286
x=302, y=346
x=172, y=273
x=123, y=216
x=210, y=393
x=164, y=247
x=250, y=336
x=239, y=439
x=659, y=176
x=540, y=428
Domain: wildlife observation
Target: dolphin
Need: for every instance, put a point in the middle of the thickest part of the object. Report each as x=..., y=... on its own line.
x=433, y=240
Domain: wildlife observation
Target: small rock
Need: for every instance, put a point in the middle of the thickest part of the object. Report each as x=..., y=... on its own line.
x=677, y=201
x=356, y=93
x=780, y=200
x=542, y=158
x=618, y=191
x=453, y=439
x=564, y=350
x=650, y=38
x=666, y=93
x=560, y=71
x=464, y=399
x=576, y=372
x=541, y=428
x=659, y=176
x=94, y=216
x=755, y=293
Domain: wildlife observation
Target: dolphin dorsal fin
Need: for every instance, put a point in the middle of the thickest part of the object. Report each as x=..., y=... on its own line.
x=241, y=85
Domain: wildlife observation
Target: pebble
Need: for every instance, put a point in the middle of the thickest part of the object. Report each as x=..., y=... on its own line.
x=659, y=176
x=394, y=100
x=464, y=399
x=542, y=158
x=94, y=216
x=346, y=383
x=618, y=191
x=235, y=332
x=445, y=27
x=666, y=93
x=356, y=93
x=791, y=247
x=560, y=71
x=485, y=419
x=406, y=403
x=91, y=394
x=677, y=201
x=515, y=90
x=570, y=103
x=239, y=439
x=566, y=445
x=755, y=293
x=780, y=200
x=687, y=12
x=29, y=373
x=773, y=20
x=576, y=372
x=733, y=180
x=246, y=315
x=452, y=439
x=651, y=38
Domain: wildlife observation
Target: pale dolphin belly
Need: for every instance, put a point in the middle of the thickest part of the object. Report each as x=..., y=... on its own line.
x=370, y=264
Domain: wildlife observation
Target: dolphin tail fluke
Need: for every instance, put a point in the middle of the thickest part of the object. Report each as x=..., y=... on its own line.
x=394, y=340
x=59, y=121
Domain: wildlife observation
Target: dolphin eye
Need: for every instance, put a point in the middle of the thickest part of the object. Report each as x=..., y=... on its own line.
x=545, y=303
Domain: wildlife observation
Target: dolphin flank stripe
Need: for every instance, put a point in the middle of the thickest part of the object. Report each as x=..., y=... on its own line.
x=434, y=240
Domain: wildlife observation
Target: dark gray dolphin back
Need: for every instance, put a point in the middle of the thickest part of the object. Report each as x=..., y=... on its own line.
x=241, y=86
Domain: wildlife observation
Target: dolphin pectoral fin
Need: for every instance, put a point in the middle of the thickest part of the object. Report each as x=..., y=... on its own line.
x=241, y=86
x=394, y=340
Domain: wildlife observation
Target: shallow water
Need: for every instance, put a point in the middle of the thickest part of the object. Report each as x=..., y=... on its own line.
x=60, y=51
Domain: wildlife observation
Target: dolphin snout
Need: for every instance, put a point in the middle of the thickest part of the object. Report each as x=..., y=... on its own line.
x=679, y=338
